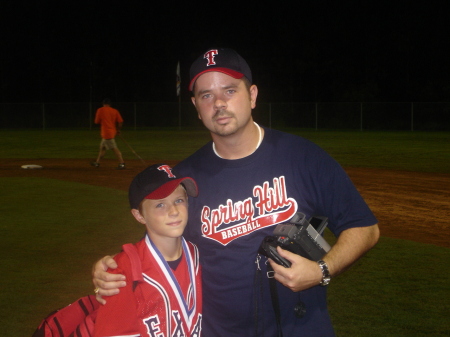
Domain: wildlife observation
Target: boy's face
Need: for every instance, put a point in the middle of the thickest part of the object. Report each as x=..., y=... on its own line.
x=164, y=218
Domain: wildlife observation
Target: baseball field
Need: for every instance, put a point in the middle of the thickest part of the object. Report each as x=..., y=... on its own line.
x=59, y=219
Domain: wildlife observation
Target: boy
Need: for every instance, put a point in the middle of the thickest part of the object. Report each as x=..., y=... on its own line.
x=171, y=286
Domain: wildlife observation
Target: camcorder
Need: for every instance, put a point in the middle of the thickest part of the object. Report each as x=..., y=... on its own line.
x=300, y=236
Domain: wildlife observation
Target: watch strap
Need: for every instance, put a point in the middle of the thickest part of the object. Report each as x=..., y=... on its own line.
x=326, y=277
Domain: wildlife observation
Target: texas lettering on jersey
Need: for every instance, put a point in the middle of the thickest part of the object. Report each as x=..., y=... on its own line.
x=179, y=311
x=154, y=329
x=268, y=206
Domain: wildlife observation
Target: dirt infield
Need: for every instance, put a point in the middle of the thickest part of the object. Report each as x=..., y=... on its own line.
x=409, y=205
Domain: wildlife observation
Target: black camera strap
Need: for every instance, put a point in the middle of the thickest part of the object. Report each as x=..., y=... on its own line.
x=274, y=296
x=258, y=293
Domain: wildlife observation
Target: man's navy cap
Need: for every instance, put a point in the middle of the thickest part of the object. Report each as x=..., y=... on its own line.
x=158, y=182
x=224, y=60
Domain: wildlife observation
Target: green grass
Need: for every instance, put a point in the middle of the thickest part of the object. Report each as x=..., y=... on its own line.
x=53, y=231
x=50, y=235
x=400, y=288
x=413, y=151
x=169, y=144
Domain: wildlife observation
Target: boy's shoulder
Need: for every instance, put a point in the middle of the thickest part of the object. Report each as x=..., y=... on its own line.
x=131, y=255
x=128, y=258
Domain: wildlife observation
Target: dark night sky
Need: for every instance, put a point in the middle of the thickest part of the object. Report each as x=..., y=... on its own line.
x=55, y=51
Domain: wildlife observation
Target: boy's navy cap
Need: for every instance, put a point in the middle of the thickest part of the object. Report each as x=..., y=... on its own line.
x=158, y=182
x=224, y=60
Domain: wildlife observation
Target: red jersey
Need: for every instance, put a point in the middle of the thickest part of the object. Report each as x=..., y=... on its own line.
x=108, y=118
x=169, y=302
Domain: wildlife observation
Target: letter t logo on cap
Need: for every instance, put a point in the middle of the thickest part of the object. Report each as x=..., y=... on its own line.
x=167, y=169
x=209, y=55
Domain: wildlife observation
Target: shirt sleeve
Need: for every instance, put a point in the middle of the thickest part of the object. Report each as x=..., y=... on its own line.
x=340, y=200
x=118, y=316
x=119, y=118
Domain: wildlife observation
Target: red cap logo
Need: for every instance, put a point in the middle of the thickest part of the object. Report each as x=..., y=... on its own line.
x=167, y=169
x=209, y=56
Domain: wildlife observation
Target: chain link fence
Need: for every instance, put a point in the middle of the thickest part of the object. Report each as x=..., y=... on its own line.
x=396, y=116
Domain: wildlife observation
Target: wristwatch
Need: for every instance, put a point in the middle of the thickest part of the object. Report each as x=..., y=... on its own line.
x=326, y=277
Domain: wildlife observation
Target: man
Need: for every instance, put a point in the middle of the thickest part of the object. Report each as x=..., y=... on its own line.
x=110, y=122
x=250, y=179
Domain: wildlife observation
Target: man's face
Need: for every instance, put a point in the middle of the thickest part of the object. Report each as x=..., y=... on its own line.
x=224, y=104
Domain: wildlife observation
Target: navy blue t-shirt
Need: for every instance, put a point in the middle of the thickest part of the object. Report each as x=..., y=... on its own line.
x=239, y=203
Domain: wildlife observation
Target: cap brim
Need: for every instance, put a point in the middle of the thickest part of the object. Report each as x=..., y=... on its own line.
x=191, y=186
x=229, y=72
x=167, y=189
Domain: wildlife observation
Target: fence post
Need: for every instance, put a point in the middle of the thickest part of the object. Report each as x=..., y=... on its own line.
x=135, y=116
x=91, y=118
x=90, y=115
x=270, y=115
x=412, y=116
x=43, y=116
x=361, y=117
x=316, y=116
x=179, y=112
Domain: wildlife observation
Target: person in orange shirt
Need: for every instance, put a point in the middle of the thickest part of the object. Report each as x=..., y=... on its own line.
x=110, y=122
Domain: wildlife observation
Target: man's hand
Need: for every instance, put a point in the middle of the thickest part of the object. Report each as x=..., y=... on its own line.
x=106, y=283
x=303, y=273
x=351, y=244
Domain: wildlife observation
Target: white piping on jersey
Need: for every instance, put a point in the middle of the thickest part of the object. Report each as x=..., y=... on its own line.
x=188, y=311
x=165, y=296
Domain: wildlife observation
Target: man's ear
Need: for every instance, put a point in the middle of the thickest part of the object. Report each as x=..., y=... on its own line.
x=253, y=95
x=138, y=216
